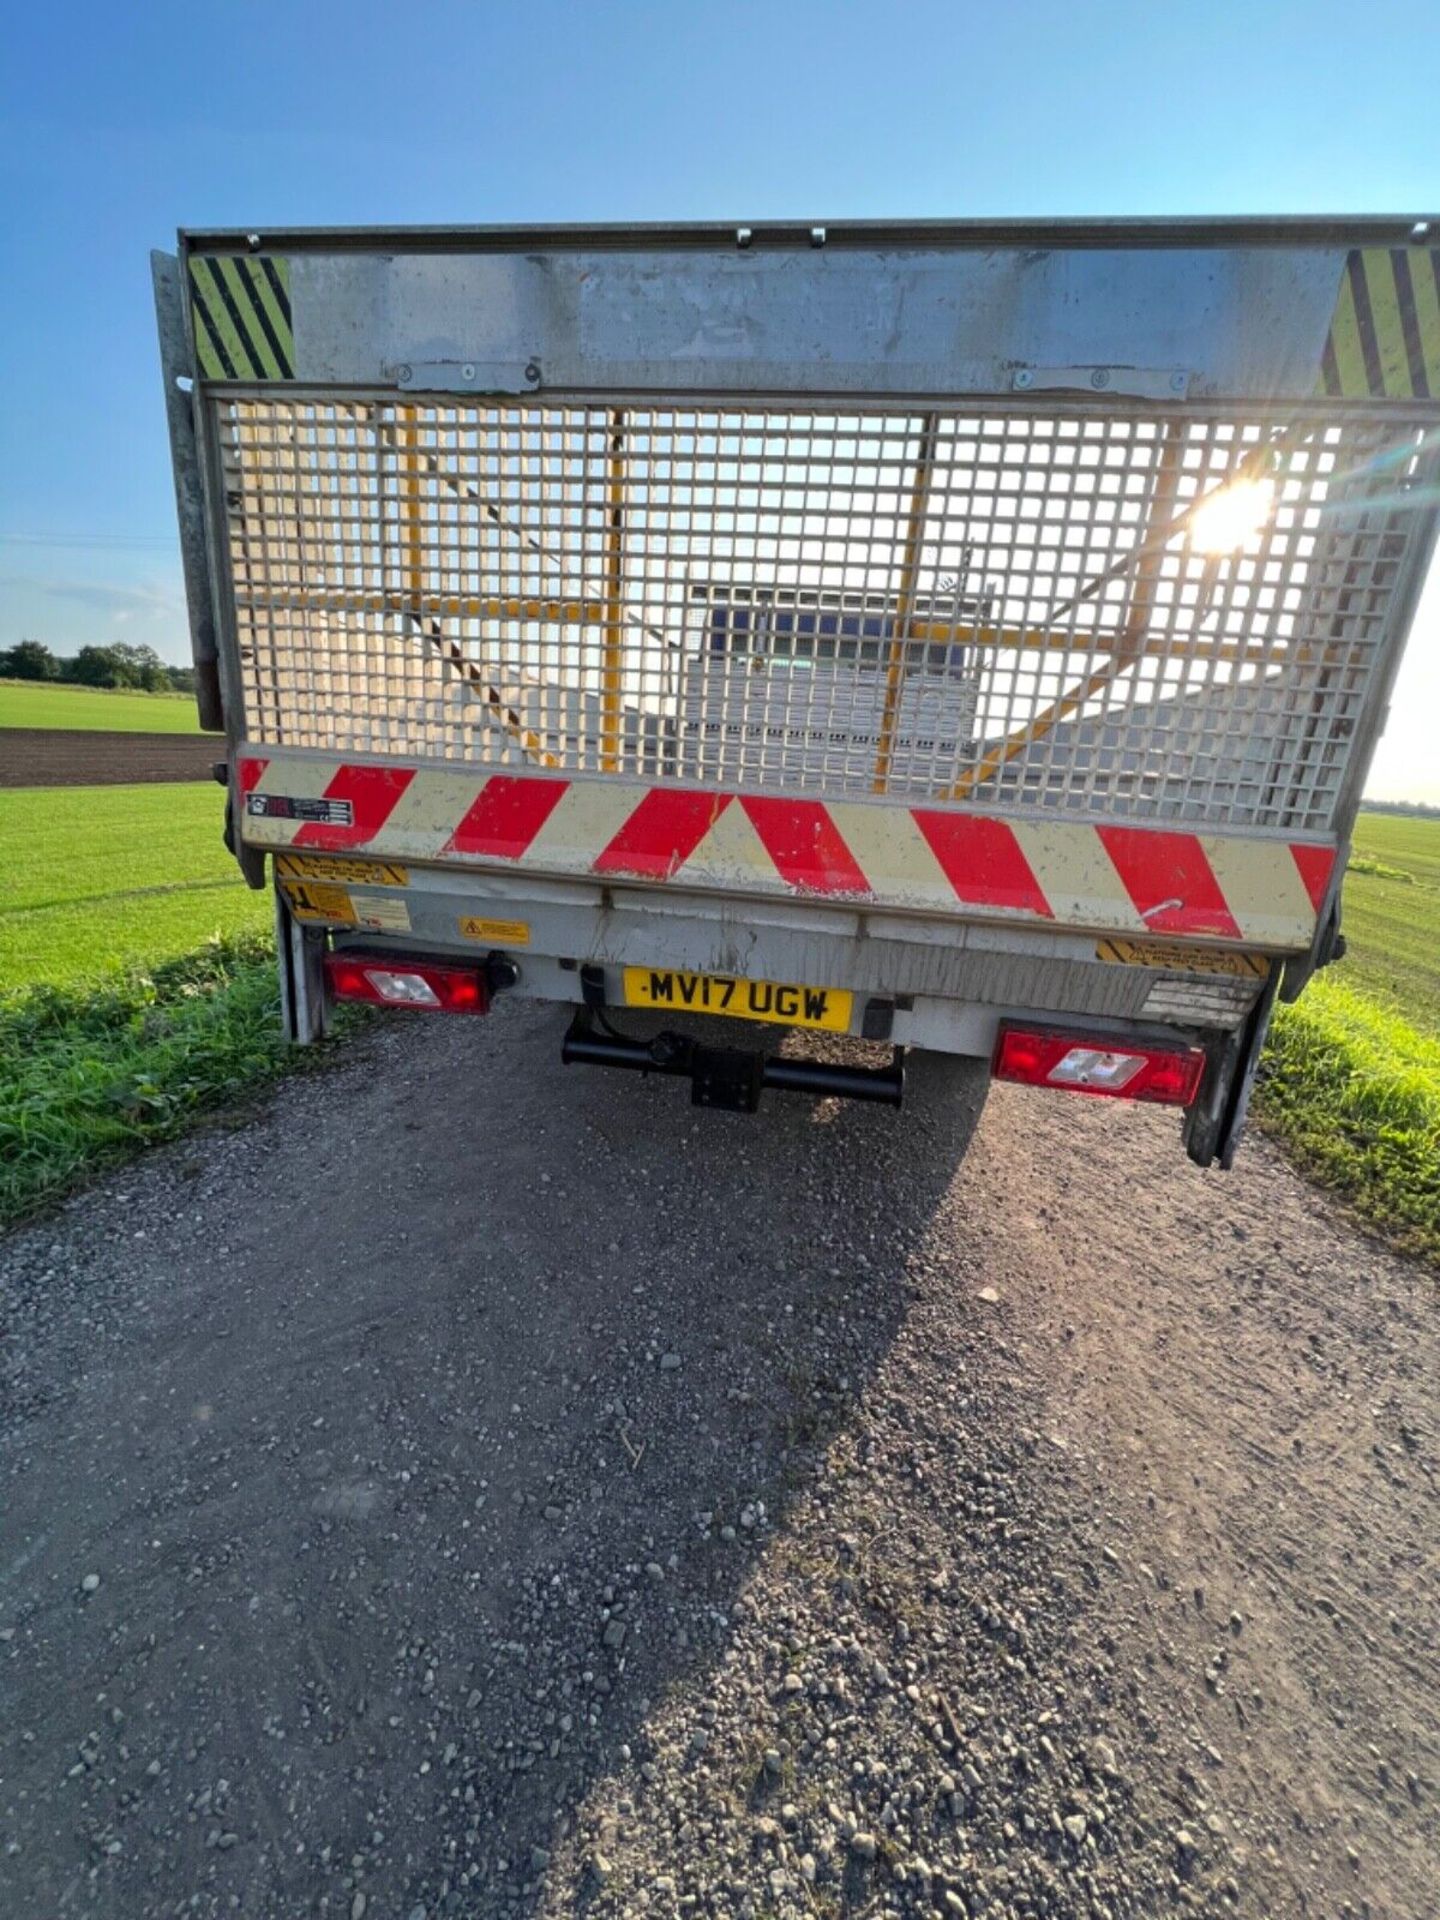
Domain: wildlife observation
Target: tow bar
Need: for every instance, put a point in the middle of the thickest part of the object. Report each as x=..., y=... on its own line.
x=730, y=1079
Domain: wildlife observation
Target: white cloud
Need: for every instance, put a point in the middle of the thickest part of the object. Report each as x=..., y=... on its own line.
x=105, y=596
x=73, y=610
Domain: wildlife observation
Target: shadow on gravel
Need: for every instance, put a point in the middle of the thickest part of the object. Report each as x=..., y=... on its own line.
x=462, y=1395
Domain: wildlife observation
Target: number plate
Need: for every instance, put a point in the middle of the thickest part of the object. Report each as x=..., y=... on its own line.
x=824, y=1007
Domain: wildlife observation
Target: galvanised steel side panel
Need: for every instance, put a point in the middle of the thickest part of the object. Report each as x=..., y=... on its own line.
x=1237, y=322
x=177, y=365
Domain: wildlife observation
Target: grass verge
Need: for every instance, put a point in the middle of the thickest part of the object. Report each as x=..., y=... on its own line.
x=41, y=703
x=1353, y=1091
x=93, y=879
x=89, y=1075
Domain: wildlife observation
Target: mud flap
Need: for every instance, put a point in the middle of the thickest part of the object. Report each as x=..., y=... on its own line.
x=300, y=955
x=251, y=859
x=1214, y=1125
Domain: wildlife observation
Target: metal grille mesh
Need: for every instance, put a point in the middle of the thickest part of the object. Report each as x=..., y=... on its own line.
x=1012, y=607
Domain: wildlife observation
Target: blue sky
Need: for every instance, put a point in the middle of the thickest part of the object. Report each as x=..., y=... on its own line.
x=118, y=124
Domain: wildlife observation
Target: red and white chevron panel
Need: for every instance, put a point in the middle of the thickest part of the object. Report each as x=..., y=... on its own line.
x=1041, y=869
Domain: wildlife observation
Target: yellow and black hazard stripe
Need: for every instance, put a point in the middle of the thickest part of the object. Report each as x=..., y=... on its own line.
x=241, y=309
x=1175, y=957
x=1384, y=340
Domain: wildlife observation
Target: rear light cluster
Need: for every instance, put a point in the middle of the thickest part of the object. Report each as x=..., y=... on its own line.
x=395, y=980
x=1093, y=1063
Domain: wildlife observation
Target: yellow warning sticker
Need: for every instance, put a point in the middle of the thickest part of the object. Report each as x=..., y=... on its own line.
x=329, y=866
x=317, y=900
x=496, y=933
x=312, y=900
x=1175, y=957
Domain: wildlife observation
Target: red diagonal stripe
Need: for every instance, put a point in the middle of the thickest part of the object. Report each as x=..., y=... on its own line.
x=983, y=862
x=805, y=844
x=372, y=793
x=662, y=833
x=1170, y=880
x=249, y=772
x=1316, y=865
x=505, y=816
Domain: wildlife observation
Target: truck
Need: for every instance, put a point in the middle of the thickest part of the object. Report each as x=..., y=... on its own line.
x=810, y=651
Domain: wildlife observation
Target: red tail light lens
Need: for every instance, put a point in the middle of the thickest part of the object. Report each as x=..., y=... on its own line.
x=397, y=980
x=1097, y=1063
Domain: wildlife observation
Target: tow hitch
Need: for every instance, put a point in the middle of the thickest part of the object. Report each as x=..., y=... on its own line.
x=728, y=1078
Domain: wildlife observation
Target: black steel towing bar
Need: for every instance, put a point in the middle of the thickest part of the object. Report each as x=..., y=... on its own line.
x=729, y=1078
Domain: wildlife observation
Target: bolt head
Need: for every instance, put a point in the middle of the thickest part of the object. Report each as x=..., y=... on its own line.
x=1100, y=378
x=402, y=374
x=467, y=372
x=1024, y=378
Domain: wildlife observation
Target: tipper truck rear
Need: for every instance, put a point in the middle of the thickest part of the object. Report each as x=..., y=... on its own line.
x=968, y=639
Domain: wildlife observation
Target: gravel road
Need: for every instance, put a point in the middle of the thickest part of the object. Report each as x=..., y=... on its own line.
x=476, y=1487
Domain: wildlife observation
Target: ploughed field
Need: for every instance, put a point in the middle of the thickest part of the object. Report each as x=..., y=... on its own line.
x=61, y=736
x=60, y=757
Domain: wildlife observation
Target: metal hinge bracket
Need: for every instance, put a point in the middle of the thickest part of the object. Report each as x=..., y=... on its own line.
x=1134, y=383
x=467, y=376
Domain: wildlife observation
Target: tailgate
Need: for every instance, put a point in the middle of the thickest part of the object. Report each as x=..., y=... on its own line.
x=1047, y=580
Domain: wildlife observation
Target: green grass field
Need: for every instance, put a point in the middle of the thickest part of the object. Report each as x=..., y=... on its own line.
x=25, y=703
x=1351, y=1081
x=96, y=879
x=137, y=980
x=1392, y=926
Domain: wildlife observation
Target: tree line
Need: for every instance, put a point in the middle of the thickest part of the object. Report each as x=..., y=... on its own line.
x=1418, y=808
x=140, y=668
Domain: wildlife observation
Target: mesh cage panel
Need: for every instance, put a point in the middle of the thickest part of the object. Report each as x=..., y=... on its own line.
x=1016, y=607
